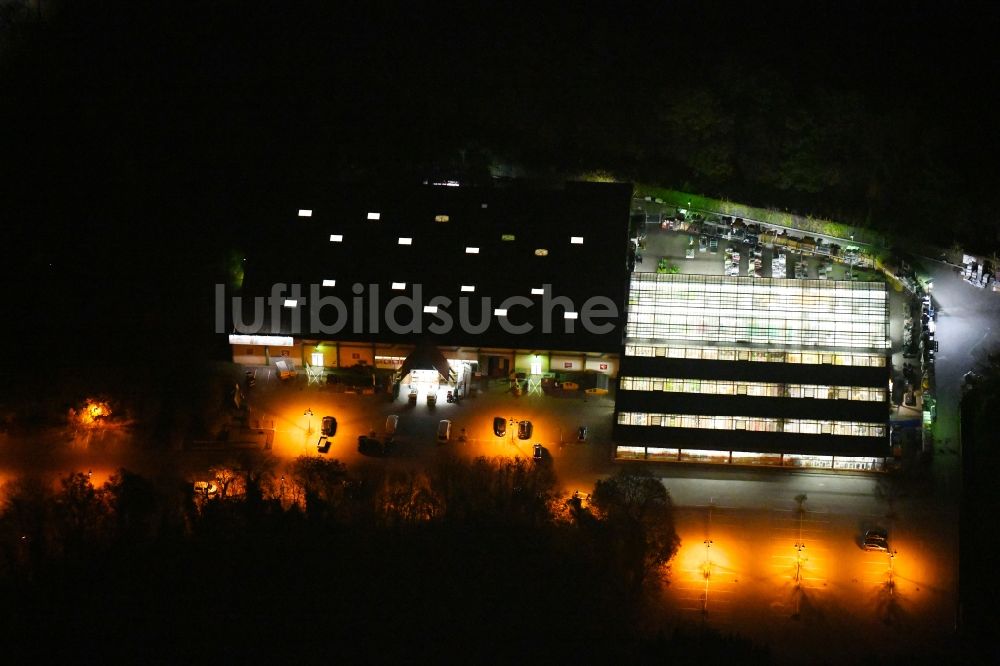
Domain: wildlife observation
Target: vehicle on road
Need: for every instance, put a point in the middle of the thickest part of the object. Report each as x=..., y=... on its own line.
x=444, y=430
x=581, y=434
x=524, y=429
x=713, y=246
x=876, y=539
x=538, y=453
x=391, y=423
x=689, y=253
x=499, y=426
x=329, y=427
x=703, y=244
x=323, y=444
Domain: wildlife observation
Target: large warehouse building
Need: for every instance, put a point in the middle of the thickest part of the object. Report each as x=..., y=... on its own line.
x=501, y=280
x=706, y=368
x=755, y=371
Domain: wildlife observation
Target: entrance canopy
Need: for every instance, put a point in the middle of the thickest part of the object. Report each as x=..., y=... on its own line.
x=426, y=357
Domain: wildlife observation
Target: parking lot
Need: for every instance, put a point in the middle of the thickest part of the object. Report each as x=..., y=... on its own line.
x=555, y=419
x=674, y=245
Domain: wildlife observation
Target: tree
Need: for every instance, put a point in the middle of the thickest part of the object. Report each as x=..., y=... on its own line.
x=637, y=508
x=322, y=480
x=229, y=480
x=406, y=498
x=82, y=512
x=508, y=489
x=27, y=522
x=134, y=503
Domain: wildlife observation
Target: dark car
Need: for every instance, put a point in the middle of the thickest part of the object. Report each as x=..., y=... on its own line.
x=876, y=539
x=370, y=446
x=499, y=426
x=581, y=434
x=329, y=428
x=524, y=430
x=538, y=453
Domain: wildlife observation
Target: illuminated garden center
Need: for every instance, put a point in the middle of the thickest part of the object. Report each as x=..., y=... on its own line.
x=759, y=311
x=796, y=370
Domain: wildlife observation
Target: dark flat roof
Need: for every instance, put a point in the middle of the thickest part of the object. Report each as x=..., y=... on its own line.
x=299, y=250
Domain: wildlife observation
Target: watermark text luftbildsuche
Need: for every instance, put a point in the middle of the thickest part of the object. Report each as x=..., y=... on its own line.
x=288, y=310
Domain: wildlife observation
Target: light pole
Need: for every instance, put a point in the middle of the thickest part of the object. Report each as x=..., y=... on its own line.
x=706, y=574
x=892, y=583
x=308, y=413
x=797, y=592
x=513, y=422
x=850, y=263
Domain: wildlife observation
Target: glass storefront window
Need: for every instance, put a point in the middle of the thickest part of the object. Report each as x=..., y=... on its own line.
x=757, y=423
x=733, y=354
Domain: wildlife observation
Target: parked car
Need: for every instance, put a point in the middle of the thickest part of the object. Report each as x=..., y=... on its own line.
x=876, y=539
x=329, y=427
x=444, y=430
x=703, y=244
x=970, y=379
x=581, y=434
x=524, y=429
x=713, y=245
x=499, y=426
x=370, y=446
